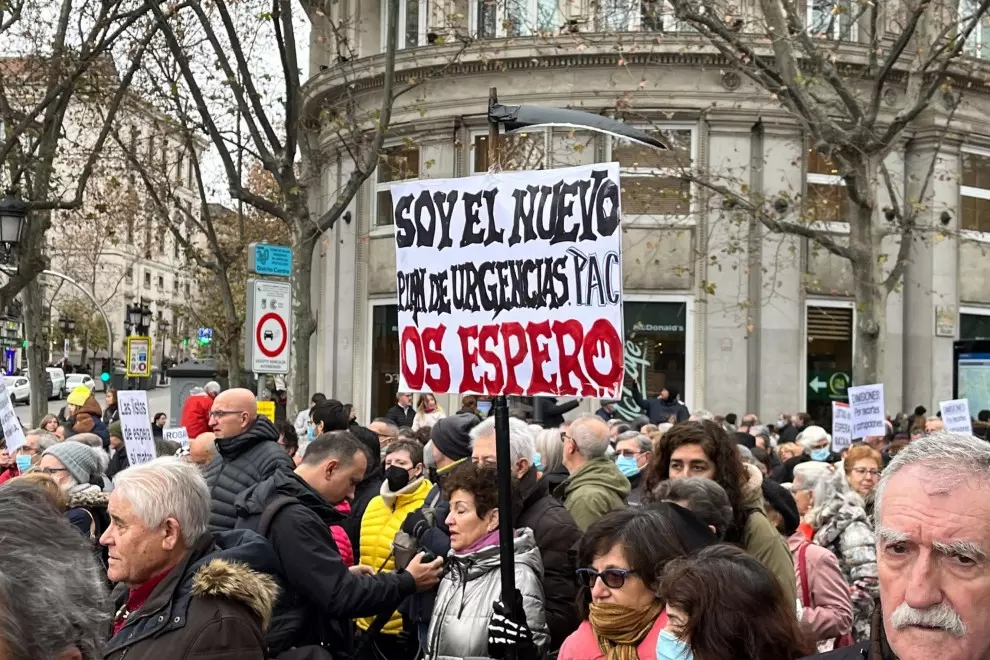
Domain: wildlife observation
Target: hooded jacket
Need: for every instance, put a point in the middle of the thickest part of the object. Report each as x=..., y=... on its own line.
x=552, y=413
x=761, y=540
x=594, y=489
x=89, y=419
x=319, y=594
x=660, y=410
x=214, y=605
x=242, y=462
x=196, y=414
x=557, y=536
x=368, y=489
x=471, y=584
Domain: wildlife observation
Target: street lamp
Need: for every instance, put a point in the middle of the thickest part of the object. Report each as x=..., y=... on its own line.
x=67, y=325
x=133, y=318
x=163, y=326
x=145, y=318
x=13, y=217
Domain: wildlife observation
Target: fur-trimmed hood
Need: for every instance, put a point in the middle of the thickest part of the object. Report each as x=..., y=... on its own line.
x=235, y=581
x=91, y=498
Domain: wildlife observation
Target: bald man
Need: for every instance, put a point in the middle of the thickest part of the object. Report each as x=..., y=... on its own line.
x=247, y=453
x=201, y=449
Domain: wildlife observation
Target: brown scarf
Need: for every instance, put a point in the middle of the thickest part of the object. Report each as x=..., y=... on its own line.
x=619, y=629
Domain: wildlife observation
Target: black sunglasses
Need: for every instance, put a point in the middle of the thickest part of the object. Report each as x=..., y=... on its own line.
x=613, y=578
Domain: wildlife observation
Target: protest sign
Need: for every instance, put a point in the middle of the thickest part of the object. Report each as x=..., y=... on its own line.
x=135, y=425
x=267, y=409
x=511, y=283
x=177, y=434
x=866, y=402
x=842, y=425
x=955, y=416
x=12, y=432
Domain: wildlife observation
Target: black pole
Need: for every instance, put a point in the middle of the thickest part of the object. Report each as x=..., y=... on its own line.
x=505, y=535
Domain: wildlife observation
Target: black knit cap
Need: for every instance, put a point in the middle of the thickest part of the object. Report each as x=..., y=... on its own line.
x=452, y=435
x=783, y=503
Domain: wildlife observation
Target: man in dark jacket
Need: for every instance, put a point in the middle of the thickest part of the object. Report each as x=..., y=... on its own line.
x=402, y=413
x=663, y=409
x=369, y=488
x=553, y=527
x=320, y=596
x=247, y=453
x=191, y=594
x=552, y=413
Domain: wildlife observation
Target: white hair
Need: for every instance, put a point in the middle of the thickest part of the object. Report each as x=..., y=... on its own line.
x=812, y=435
x=812, y=474
x=703, y=416
x=644, y=442
x=168, y=487
x=950, y=458
x=551, y=447
x=521, y=443
x=590, y=434
x=212, y=387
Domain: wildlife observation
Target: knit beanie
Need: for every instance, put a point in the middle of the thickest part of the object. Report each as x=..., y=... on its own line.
x=78, y=396
x=783, y=503
x=452, y=435
x=116, y=430
x=79, y=459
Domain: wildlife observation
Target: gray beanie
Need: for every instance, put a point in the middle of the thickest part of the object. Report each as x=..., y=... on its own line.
x=80, y=460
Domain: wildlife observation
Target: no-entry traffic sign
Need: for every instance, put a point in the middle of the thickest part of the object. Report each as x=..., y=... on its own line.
x=269, y=307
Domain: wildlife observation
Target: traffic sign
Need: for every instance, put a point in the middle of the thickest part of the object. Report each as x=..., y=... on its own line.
x=265, y=259
x=269, y=310
x=828, y=385
x=138, y=357
x=205, y=335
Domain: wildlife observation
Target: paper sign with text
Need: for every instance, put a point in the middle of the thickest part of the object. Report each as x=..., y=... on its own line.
x=868, y=418
x=177, y=434
x=12, y=432
x=511, y=283
x=842, y=425
x=955, y=416
x=135, y=425
x=267, y=409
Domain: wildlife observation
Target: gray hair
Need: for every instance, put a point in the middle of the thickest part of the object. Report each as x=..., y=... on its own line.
x=759, y=431
x=703, y=497
x=521, y=443
x=590, y=443
x=61, y=602
x=551, y=447
x=164, y=488
x=812, y=473
x=45, y=439
x=703, y=416
x=811, y=435
x=212, y=387
x=645, y=444
x=953, y=457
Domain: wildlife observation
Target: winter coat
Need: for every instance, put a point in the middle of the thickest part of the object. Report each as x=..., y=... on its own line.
x=470, y=586
x=829, y=614
x=196, y=414
x=214, y=605
x=554, y=479
x=319, y=595
x=583, y=645
x=242, y=462
x=842, y=525
x=636, y=483
x=594, y=489
x=761, y=540
x=604, y=414
x=111, y=414
x=8, y=474
x=875, y=648
x=401, y=417
x=340, y=537
x=118, y=462
x=427, y=419
x=557, y=536
x=302, y=419
x=659, y=410
x=381, y=522
x=89, y=419
x=367, y=490
x=552, y=413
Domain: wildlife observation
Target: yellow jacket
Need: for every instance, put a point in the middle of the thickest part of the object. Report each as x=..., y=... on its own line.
x=381, y=522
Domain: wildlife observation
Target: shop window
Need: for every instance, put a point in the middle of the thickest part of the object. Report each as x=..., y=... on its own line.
x=655, y=355
x=384, y=358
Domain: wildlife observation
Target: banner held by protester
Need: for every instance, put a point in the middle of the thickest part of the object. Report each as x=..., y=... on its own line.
x=136, y=426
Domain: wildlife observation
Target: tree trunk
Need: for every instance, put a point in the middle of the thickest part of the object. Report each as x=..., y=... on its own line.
x=870, y=292
x=303, y=325
x=33, y=324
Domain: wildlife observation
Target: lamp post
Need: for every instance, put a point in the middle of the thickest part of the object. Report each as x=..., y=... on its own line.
x=163, y=326
x=68, y=326
x=13, y=217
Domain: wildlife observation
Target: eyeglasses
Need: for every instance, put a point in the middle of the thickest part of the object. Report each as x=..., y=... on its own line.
x=862, y=472
x=628, y=453
x=613, y=578
x=217, y=414
x=50, y=471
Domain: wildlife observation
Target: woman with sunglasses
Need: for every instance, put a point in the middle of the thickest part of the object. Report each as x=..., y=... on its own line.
x=622, y=559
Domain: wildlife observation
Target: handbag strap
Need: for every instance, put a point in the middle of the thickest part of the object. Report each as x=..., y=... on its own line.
x=803, y=571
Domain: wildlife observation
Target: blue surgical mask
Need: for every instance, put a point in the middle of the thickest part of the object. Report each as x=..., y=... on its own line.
x=23, y=463
x=627, y=466
x=538, y=461
x=310, y=432
x=820, y=454
x=672, y=648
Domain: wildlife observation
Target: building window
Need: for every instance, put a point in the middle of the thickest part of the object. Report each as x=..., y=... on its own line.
x=413, y=16
x=826, y=200
x=161, y=282
x=180, y=161
x=976, y=44
x=147, y=280
x=492, y=19
x=175, y=286
x=191, y=172
x=651, y=178
x=974, y=326
x=637, y=15
x=975, y=191
x=832, y=19
x=151, y=150
x=400, y=163
x=129, y=274
x=655, y=355
x=384, y=358
x=187, y=289
x=520, y=151
x=829, y=358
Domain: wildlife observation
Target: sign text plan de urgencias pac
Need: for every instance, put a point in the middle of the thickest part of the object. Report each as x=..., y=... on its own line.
x=511, y=283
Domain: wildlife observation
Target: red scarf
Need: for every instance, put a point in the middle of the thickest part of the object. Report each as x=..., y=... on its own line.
x=137, y=597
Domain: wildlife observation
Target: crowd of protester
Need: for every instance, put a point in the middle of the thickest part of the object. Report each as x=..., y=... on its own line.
x=674, y=536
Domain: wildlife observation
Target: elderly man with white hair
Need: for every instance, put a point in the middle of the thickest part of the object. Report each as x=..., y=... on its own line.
x=553, y=526
x=594, y=486
x=933, y=552
x=182, y=592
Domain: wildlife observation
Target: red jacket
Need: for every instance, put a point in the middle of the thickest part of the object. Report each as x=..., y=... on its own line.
x=8, y=474
x=196, y=414
x=582, y=645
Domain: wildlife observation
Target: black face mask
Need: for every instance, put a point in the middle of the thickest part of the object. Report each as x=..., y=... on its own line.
x=397, y=478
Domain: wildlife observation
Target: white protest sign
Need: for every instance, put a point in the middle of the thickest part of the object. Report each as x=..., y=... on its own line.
x=842, y=426
x=511, y=283
x=955, y=416
x=866, y=402
x=12, y=431
x=136, y=426
x=177, y=434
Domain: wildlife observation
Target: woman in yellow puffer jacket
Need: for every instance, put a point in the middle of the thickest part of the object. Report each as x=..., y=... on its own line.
x=404, y=490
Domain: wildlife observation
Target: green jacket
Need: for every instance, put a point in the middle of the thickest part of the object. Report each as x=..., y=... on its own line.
x=596, y=488
x=761, y=540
